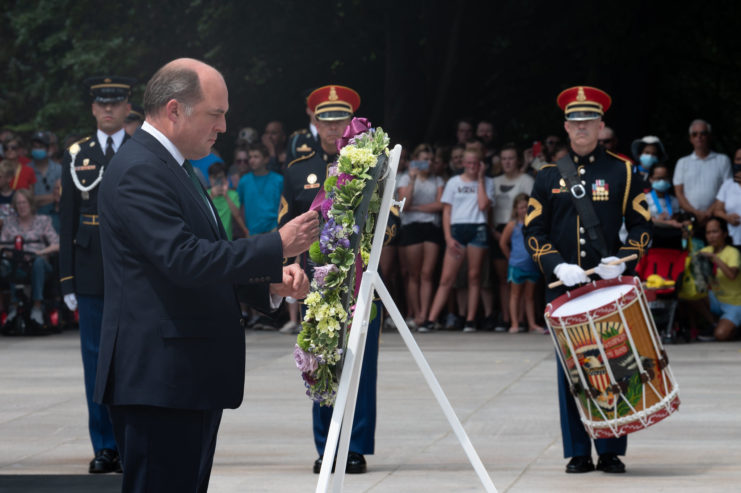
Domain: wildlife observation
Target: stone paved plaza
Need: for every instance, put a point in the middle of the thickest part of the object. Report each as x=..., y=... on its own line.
x=502, y=387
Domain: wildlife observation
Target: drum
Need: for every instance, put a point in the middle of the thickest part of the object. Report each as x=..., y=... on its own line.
x=610, y=350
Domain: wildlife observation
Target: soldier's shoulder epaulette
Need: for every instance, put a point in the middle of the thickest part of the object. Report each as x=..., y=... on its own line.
x=300, y=131
x=619, y=156
x=78, y=142
x=301, y=158
x=547, y=166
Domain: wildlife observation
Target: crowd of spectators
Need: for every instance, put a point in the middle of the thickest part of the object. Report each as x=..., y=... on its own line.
x=460, y=262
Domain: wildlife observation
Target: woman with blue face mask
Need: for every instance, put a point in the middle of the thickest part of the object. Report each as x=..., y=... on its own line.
x=664, y=209
x=647, y=152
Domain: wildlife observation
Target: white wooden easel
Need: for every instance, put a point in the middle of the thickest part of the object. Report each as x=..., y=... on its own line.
x=347, y=392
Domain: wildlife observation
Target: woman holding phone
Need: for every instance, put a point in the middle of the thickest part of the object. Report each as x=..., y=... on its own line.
x=466, y=201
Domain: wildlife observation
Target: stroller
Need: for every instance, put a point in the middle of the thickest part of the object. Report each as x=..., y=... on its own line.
x=15, y=274
x=660, y=270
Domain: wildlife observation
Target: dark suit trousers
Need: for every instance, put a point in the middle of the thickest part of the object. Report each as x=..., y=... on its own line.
x=165, y=450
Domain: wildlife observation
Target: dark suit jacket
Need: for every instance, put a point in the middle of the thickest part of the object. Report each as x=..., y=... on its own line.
x=171, y=333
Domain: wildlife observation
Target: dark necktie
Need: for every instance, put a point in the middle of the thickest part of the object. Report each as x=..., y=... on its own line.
x=196, y=182
x=109, y=148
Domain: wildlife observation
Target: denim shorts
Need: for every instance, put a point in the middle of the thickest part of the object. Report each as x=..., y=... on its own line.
x=470, y=234
x=515, y=275
x=725, y=310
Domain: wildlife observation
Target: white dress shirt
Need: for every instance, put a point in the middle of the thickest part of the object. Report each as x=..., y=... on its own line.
x=118, y=138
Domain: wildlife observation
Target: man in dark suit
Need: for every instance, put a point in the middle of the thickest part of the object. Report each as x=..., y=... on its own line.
x=172, y=347
x=80, y=258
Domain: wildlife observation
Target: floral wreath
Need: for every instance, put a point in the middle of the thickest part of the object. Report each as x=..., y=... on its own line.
x=318, y=352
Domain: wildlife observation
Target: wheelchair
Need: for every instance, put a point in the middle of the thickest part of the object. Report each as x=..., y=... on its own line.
x=15, y=274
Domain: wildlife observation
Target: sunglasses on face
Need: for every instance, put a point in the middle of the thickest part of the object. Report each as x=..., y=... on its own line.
x=704, y=133
x=241, y=161
x=12, y=148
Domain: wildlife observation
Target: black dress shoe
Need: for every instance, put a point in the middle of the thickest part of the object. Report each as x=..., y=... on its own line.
x=355, y=463
x=105, y=461
x=610, y=463
x=579, y=464
x=318, y=465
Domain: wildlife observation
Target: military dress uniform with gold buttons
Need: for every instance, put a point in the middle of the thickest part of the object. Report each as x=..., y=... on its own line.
x=554, y=235
x=553, y=231
x=80, y=253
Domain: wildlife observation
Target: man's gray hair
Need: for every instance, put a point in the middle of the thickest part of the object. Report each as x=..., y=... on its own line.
x=698, y=121
x=181, y=84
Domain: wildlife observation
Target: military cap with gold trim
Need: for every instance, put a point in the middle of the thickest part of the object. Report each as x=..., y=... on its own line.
x=109, y=88
x=331, y=103
x=581, y=103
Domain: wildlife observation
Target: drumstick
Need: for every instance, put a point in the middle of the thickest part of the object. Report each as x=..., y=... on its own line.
x=589, y=272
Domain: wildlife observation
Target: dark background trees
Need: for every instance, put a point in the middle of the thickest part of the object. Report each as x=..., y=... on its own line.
x=418, y=65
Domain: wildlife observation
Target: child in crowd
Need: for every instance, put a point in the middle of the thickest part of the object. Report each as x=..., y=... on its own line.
x=226, y=201
x=260, y=191
x=522, y=272
x=664, y=208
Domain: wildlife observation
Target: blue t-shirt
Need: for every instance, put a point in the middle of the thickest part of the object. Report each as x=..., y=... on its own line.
x=203, y=164
x=260, y=197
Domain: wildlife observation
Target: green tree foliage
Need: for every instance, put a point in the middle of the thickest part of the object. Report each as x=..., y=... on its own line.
x=418, y=65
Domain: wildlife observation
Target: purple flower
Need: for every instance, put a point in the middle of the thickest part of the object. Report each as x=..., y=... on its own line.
x=308, y=379
x=344, y=178
x=321, y=272
x=333, y=170
x=304, y=361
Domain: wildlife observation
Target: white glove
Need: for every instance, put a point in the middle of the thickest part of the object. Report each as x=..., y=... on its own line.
x=570, y=274
x=71, y=301
x=606, y=271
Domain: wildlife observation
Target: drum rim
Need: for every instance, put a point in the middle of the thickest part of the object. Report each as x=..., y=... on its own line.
x=554, y=305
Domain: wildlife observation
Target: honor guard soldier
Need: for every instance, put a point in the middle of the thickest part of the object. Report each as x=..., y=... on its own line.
x=564, y=242
x=333, y=107
x=80, y=257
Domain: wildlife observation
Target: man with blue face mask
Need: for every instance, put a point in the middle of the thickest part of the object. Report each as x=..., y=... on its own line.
x=47, y=172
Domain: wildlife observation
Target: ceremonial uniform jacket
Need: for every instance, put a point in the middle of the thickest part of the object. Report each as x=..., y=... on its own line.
x=553, y=233
x=302, y=143
x=303, y=178
x=80, y=257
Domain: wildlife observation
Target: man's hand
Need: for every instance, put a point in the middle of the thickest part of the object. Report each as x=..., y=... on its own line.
x=607, y=271
x=299, y=233
x=71, y=301
x=734, y=219
x=570, y=274
x=295, y=283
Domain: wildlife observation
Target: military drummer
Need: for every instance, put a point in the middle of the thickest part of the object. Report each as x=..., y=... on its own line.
x=564, y=248
x=80, y=257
